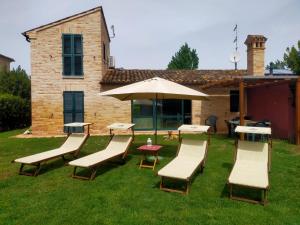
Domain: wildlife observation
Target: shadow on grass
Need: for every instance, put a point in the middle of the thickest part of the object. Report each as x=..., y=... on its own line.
x=227, y=166
x=176, y=183
x=244, y=192
x=104, y=167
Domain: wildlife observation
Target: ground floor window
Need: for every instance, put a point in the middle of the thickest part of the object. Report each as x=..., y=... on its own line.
x=73, y=109
x=234, y=101
x=165, y=114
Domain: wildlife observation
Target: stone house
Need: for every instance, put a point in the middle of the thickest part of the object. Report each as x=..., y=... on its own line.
x=5, y=63
x=70, y=66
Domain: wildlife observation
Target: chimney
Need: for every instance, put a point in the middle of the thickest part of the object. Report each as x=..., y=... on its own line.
x=256, y=54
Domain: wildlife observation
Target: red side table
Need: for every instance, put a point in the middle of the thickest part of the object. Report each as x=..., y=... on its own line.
x=149, y=150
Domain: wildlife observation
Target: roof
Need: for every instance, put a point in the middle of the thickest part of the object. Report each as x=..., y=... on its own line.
x=57, y=22
x=7, y=58
x=187, y=77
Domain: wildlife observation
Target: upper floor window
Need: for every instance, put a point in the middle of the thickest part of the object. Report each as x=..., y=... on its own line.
x=72, y=55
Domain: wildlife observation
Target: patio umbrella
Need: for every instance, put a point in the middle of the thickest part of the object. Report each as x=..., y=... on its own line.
x=155, y=88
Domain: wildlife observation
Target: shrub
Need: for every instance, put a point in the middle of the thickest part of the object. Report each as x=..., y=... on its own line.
x=14, y=112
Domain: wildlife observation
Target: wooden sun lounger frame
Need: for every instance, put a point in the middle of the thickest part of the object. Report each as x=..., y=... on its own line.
x=263, y=200
x=38, y=164
x=189, y=179
x=94, y=168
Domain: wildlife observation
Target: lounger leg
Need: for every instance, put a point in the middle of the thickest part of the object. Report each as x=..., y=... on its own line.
x=264, y=198
x=37, y=170
x=74, y=171
x=21, y=169
x=94, y=171
x=34, y=173
x=230, y=191
x=155, y=160
x=201, y=168
x=161, y=183
x=187, y=187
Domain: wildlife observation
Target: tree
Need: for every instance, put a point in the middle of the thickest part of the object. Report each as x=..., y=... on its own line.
x=15, y=82
x=15, y=102
x=292, y=58
x=185, y=58
x=277, y=65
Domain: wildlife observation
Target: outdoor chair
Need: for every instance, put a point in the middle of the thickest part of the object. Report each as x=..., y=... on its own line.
x=212, y=122
x=117, y=148
x=191, y=156
x=252, y=165
x=72, y=145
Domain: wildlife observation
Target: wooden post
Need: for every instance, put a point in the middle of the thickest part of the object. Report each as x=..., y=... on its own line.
x=297, y=116
x=242, y=106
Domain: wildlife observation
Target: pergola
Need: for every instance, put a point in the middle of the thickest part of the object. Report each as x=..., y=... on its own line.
x=244, y=82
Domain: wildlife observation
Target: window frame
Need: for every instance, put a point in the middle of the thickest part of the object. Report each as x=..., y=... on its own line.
x=72, y=55
x=155, y=116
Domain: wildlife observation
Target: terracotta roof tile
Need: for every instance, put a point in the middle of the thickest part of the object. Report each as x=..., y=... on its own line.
x=188, y=77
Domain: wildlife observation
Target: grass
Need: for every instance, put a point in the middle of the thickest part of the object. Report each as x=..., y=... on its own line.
x=127, y=195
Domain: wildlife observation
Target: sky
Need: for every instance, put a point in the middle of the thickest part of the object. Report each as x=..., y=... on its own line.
x=149, y=32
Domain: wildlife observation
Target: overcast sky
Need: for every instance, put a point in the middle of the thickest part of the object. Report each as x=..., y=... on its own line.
x=149, y=32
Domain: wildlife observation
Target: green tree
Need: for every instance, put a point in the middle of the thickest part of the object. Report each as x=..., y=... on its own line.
x=292, y=58
x=185, y=58
x=15, y=101
x=15, y=82
x=277, y=65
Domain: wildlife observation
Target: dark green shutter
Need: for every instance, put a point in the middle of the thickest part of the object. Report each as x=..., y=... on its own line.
x=73, y=108
x=72, y=49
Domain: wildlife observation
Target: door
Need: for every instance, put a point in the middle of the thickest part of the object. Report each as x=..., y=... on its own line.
x=73, y=109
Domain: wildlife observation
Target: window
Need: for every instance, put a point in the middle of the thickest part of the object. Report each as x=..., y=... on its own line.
x=234, y=101
x=72, y=55
x=104, y=52
x=165, y=114
x=73, y=108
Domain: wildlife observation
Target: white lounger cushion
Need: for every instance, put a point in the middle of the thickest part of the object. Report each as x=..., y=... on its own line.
x=72, y=144
x=117, y=146
x=251, y=166
x=190, y=156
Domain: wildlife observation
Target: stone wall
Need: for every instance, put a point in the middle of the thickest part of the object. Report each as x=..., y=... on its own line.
x=218, y=105
x=4, y=65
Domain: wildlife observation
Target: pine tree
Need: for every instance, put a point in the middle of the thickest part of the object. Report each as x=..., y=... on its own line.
x=185, y=58
x=292, y=58
x=277, y=65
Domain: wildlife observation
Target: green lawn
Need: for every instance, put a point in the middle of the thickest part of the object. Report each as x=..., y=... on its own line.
x=125, y=194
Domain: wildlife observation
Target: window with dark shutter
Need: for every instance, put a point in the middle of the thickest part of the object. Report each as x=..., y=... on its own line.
x=104, y=52
x=72, y=55
x=73, y=109
x=234, y=101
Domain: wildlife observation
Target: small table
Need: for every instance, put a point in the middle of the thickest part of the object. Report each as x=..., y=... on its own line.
x=149, y=150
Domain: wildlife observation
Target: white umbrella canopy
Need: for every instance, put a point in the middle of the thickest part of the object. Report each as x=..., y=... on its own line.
x=155, y=88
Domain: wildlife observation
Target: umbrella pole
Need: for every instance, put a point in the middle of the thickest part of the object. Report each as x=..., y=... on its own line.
x=155, y=119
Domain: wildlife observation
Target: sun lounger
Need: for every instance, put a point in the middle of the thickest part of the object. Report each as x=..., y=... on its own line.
x=72, y=145
x=117, y=148
x=190, y=157
x=252, y=164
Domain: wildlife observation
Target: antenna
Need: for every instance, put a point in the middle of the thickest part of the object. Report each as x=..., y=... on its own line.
x=112, y=27
x=235, y=56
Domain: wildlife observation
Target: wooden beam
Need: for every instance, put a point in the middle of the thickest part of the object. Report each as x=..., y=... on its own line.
x=297, y=116
x=242, y=105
